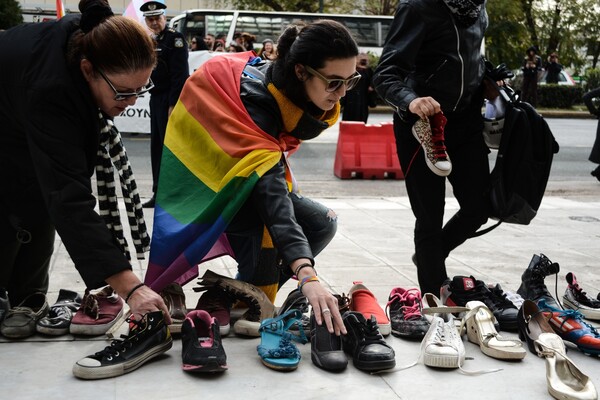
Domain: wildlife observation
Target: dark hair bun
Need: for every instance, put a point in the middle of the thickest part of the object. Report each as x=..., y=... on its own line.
x=92, y=13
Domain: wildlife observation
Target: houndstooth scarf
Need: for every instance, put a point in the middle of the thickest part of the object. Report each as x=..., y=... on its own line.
x=110, y=143
x=466, y=12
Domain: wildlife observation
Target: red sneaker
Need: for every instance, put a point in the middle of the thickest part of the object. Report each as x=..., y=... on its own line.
x=99, y=311
x=364, y=301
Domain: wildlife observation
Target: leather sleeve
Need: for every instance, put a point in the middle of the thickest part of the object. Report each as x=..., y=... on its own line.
x=271, y=199
x=398, y=59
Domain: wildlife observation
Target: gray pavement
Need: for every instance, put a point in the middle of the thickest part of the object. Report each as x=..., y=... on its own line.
x=374, y=245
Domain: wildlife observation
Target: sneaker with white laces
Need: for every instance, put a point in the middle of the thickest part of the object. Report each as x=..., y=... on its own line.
x=442, y=346
x=576, y=299
x=147, y=339
x=430, y=134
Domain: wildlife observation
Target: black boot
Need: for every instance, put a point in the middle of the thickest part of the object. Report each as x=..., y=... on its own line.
x=532, y=281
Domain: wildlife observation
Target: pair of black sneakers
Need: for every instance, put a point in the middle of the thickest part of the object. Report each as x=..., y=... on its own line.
x=369, y=350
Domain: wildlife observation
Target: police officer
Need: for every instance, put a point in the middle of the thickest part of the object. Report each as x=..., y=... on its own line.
x=168, y=77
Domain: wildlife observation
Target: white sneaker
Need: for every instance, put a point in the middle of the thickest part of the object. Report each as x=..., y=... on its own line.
x=430, y=134
x=442, y=346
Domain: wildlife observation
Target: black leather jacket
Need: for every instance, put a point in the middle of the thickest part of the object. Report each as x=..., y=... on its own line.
x=270, y=197
x=428, y=54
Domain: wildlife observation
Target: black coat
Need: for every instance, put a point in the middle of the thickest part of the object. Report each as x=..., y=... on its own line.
x=426, y=53
x=48, y=144
x=172, y=69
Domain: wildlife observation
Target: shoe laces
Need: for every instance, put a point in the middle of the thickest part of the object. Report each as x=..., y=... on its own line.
x=437, y=138
x=577, y=316
x=499, y=299
x=539, y=272
x=119, y=346
x=90, y=306
x=409, y=303
x=370, y=331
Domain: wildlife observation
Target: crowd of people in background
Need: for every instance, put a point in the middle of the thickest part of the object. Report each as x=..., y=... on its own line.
x=242, y=41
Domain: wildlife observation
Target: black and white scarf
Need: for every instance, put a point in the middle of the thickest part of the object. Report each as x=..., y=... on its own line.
x=466, y=12
x=111, y=151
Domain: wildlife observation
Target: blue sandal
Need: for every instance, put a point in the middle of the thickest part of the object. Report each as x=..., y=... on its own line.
x=276, y=349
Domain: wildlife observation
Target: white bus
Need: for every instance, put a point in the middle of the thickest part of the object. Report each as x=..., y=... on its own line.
x=369, y=31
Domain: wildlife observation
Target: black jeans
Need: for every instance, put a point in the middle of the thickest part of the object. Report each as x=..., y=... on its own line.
x=468, y=153
x=245, y=234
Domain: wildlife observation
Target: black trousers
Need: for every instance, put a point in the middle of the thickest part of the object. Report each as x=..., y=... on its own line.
x=245, y=234
x=26, y=246
x=159, y=116
x=468, y=153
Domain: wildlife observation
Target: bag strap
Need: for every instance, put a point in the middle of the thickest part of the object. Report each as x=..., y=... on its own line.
x=486, y=230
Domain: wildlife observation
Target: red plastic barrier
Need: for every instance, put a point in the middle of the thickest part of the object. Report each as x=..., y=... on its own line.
x=367, y=152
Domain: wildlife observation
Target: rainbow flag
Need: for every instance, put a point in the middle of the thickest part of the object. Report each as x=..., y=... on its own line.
x=213, y=155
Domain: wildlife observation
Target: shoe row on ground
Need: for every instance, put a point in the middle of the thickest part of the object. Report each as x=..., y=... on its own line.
x=92, y=315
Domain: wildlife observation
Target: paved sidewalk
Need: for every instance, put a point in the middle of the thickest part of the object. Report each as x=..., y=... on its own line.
x=373, y=244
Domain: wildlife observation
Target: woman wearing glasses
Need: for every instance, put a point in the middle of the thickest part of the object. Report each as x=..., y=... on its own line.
x=62, y=82
x=263, y=110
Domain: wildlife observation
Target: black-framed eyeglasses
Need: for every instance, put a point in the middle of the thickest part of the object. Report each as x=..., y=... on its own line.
x=336, y=83
x=120, y=96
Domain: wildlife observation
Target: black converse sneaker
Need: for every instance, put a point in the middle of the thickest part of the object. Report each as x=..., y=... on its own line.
x=369, y=350
x=147, y=339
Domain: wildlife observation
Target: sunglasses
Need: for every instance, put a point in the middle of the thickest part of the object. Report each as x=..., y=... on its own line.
x=120, y=96
x=334, y=84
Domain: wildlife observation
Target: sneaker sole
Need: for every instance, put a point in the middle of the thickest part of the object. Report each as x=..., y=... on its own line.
x=208, y=367
x=412, y=335
x=586, y=312
x=378, y=365
x=246, y=328
x=47, y=330
x=121, y=369
x=437, y=361
x=94, y=330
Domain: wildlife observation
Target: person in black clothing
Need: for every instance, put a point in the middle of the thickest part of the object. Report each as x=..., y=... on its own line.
x=357, y=101
x=198, y=44
x=62, y=81
x=532, y=65
x=591, y=100
x=170, y=74
x=553, y=69
x=431, y=63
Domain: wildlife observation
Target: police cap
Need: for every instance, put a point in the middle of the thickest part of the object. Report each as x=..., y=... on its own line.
x=152, y=8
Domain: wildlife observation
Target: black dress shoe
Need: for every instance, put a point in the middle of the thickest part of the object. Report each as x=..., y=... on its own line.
x=326, y=348
x=150, y=203
x=532, y=323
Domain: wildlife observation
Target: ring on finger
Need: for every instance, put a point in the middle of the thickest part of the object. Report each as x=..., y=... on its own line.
x=326, y=311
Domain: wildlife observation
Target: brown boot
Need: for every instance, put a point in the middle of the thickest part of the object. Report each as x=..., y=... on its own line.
x=259, y=305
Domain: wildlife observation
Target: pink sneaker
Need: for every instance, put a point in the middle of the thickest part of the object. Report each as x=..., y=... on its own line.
x=364, y=301
x=99, y=311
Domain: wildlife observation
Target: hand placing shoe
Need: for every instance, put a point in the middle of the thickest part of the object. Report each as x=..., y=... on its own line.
x=141, y=300
x=324, y=304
